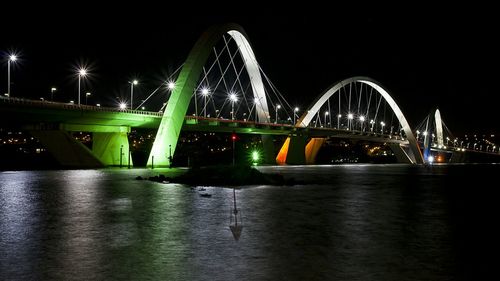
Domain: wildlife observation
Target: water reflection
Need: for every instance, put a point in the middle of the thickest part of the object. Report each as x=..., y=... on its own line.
x=235, y=221
x=360, y=222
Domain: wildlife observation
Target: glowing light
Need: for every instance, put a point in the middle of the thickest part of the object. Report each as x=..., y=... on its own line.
x=82, y=72
x=296, y=109
x=205, y=91
x=326, y=113
x=278, y=106
x=362, y=118
x=123, y=105
x=13, y=57
x=135, y=82
x=338, y=116
x=350, y=116
x=255, y=156
x=233, y=97
x=430, y=159
x=171, y=85
x=425, y=133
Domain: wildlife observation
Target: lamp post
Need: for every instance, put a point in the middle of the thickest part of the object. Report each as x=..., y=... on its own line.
x=362, y=120
x=233, y=98
x=204, y=93
x=134, y=82
x=382, y=129
x=338, y=121
x=373, y=124
x=12, y=58
x=86, y=97
x=350, y=117
x=82, y=72
x=276, y=118
x=326, y=114
x=233, y=138
x=52, y=90
x=295, y=114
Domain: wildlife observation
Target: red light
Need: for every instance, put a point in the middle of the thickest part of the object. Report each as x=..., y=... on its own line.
x=233, y=137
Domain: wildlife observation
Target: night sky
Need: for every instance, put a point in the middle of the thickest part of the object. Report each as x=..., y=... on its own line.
x=426, y=56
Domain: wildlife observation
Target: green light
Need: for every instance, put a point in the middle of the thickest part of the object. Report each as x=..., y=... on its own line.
x=255, y=156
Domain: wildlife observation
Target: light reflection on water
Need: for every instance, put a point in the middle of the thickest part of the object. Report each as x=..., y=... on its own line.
x=350, y=222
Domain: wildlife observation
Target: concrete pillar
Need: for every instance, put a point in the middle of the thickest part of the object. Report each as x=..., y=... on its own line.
x=66, y=150
x=296, y=150
x=312, y=149
x=107, y=147
x=268, y=146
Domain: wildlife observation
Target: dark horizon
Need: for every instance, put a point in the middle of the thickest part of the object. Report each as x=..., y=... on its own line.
x=425, y=59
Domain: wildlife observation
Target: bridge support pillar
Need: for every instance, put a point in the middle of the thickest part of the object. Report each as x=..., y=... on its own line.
x=312, y=149
x=67, y=150
x=112, y=149
x=268, y=147
x=293, y=151
x=400, y=153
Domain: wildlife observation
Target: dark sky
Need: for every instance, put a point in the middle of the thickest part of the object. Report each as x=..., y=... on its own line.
x=426, y=56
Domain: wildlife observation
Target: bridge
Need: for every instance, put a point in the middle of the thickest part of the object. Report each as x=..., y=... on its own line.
x=222, y=88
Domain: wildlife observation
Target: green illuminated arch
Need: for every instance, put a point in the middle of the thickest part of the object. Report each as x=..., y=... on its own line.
x=173, y=118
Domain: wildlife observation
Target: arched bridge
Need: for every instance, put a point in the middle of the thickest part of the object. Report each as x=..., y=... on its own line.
x=222, y=88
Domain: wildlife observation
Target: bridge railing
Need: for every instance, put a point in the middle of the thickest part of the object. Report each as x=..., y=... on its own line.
x=245, y=121
x=71, y=106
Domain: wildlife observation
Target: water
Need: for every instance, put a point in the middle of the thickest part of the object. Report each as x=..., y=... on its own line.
x=353, y=222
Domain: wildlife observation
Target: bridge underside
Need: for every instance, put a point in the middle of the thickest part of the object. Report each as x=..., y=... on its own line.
x=110, y=146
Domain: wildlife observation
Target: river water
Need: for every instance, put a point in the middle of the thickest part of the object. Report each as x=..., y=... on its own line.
x=349, y=222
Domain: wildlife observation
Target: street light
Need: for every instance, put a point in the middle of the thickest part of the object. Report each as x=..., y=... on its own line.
x=362, y=120
x=135, y=82
x=373, y=124
x=326, y=114
x=204, y=93
x=171, y=85
x=338, y=121
x=52, y=90
x=350, y=116
x=382, y=124
x=82, y=72
x=12, y=58
x=276, y=119
x=295, y=114
x=86, y=97
x=233, y=98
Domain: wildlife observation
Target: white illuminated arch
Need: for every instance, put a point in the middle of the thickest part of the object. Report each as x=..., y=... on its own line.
x=439, y=128
x=309, y=114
